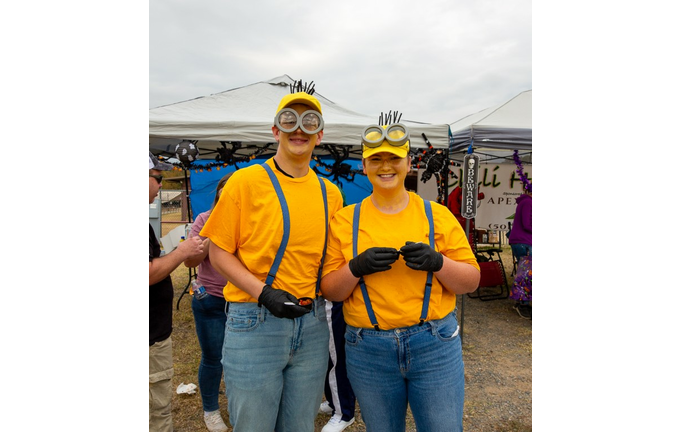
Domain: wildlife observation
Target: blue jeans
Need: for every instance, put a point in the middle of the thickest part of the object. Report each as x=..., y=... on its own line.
x=209, y=317
x=420, y=366
x=274, y=368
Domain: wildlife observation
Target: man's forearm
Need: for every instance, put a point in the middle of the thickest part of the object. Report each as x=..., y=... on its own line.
x=161, y=267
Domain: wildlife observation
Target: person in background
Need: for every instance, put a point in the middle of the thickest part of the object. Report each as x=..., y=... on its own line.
x=210, y=319
x=397, y=262
x=160, y=310
x=455, y=202
x=520, y=241
x=275, y=350
x=340, y=401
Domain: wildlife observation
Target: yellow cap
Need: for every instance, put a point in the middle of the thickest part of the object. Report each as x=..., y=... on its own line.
x=301, y=98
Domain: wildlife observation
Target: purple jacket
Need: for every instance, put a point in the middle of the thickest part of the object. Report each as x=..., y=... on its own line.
x=521, y=226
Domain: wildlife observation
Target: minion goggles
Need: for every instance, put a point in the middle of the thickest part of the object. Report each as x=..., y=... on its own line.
x=288, y=121
x=396, y=135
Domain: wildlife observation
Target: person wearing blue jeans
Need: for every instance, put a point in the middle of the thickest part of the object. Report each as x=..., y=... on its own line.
x=210, y=318
x=268, y=238
x=397, y=262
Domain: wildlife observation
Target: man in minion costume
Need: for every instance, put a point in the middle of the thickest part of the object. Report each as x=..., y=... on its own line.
x=398, y=261
x=268, y=238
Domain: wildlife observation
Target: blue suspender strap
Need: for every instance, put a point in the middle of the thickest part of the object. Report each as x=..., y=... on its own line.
x=286, y=225
x=428, y=284
x=325, y=242
x=355, y=242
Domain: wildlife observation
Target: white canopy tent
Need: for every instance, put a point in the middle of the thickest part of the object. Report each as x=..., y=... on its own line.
x=504, y=127
x=495, y=133
x=246, y=115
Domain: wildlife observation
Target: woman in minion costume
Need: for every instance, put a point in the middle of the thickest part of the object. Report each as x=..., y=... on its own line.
x=398, y=261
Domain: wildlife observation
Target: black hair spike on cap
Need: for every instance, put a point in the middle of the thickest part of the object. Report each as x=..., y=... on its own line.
x=298, y=86
x=389, y=118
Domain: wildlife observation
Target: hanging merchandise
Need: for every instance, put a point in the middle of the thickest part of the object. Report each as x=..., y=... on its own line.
x=520, y=171
x=187, y=152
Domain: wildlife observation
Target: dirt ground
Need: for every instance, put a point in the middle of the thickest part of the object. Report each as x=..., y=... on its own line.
x=497, y=352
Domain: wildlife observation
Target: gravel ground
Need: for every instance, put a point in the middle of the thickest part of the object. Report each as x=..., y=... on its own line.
x=496, y=352
x=497, y=356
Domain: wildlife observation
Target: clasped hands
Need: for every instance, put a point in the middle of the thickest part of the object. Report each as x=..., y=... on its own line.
x=418, y=256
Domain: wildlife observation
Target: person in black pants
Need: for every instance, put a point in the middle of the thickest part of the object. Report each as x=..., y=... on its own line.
x=340, y=399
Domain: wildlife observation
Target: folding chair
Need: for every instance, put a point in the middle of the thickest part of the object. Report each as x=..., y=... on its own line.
x=493, y=284
x=514, y=264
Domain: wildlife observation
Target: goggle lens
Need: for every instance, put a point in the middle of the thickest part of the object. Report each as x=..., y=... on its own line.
x=288, y=120
x=396, y=134
x=373, y=136
x=310, y=121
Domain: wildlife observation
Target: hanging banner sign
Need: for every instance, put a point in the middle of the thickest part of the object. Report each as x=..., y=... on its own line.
x=469, y=185
x=499, y=186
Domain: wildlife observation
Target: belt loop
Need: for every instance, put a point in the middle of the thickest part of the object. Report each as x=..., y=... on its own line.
x=432, y=325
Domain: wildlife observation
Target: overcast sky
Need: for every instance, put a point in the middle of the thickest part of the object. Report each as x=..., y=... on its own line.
x=434, y=61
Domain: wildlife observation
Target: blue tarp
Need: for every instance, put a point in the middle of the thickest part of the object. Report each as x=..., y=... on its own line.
x=204, y=184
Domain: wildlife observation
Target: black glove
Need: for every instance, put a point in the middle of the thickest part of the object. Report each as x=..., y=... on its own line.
x=274, y=299
x=420, y=256
x=375, y=259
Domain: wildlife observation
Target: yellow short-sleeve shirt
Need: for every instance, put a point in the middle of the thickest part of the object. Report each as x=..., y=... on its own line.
x=247, y=221
x=397, y=294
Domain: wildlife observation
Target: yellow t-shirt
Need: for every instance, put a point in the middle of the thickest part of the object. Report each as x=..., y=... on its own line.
x=248, y=222
x=397, y=294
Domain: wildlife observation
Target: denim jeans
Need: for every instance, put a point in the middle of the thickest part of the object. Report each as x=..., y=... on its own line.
x=420, y=366
x=274, y=368
x=209, y=317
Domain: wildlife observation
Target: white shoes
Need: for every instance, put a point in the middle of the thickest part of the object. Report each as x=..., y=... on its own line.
x=325, y=408
x=214, y=422
x=336, y=424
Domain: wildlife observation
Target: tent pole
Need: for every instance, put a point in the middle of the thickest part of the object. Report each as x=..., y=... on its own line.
x=445, y=172
x=186, y=190
x=462, y=297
